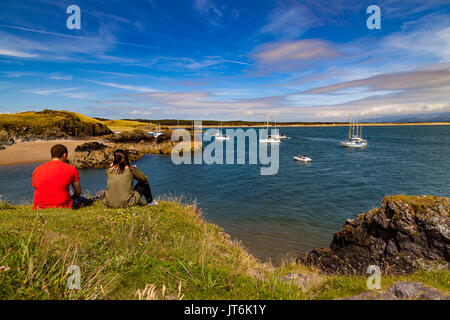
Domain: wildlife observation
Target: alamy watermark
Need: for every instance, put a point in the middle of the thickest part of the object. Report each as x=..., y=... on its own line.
x=374, y=20
x=232, y=145
x=74, y=280
x=374, y=281
x=74, y=20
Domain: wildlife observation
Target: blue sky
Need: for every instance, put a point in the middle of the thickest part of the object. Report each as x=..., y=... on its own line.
x=208, y=59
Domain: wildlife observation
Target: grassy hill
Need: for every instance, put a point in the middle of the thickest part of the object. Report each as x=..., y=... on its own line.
x=127, y=124
x=50, y=124
x=159, y=252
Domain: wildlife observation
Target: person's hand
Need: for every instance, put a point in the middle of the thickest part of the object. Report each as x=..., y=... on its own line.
x=133, y=165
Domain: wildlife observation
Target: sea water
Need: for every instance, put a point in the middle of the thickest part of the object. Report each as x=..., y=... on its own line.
x=301, y=206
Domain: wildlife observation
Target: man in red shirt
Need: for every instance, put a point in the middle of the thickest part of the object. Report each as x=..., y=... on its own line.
x=52, y=180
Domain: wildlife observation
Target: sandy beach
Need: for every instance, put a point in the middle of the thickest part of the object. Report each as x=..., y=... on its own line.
x=34, y=151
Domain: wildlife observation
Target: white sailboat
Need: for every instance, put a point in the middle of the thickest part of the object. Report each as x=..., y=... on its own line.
x=269, y=138
x=278, y=135
x=354, y=139
x=219, y=135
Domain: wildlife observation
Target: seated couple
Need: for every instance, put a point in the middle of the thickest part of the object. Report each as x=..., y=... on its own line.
x=52, y=181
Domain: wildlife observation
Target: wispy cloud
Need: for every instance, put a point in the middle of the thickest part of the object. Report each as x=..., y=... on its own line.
x=96, y=39
x=46, y=92
x=292, y=55
x=60, y=77
x=18, y=54
x=210, y=10
x=123, y=86
x=290, y=19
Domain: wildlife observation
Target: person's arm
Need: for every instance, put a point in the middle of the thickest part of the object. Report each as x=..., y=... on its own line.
x=76, y=185
x=138, y=174
x=76, y=188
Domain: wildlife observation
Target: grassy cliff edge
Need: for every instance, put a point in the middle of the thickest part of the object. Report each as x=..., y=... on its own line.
x=160, y=252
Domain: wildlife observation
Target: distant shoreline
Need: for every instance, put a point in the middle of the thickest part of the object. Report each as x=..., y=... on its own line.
x=281, y=125
x=38, y=151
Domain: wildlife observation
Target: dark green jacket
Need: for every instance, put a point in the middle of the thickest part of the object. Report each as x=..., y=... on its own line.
x=119, y=189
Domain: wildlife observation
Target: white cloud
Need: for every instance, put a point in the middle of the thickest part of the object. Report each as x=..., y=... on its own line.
x=18, y=54
x=124, y=86
x=46, y=92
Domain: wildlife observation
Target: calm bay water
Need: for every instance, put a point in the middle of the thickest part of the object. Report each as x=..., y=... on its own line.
x=304, y=204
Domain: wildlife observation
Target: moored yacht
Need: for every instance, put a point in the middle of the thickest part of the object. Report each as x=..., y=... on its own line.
x=354, y=139
x=219, y=135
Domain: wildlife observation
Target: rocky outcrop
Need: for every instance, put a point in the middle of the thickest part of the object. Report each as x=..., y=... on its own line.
x=131, y=136
x=5, y=139
x=97, y=155
x=50, y=124
x=402, y=290
x=405, y=233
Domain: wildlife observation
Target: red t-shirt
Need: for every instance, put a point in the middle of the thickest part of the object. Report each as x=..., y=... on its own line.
x=51, y=182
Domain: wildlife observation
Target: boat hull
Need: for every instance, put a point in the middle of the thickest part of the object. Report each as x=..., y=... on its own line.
x=304, y=159
x=353, y=144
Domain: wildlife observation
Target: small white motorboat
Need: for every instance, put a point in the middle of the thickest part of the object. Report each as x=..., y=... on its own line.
x=302, y=158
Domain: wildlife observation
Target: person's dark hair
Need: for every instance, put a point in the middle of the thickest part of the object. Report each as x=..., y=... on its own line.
x=58, y=150
x=120, y=160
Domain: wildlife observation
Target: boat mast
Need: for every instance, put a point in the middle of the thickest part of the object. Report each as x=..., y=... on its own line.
x=350, y=128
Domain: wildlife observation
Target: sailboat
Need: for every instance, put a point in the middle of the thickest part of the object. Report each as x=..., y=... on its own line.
x=220, y=135
x=277, y=135
x=354, y=139
x=269, y=139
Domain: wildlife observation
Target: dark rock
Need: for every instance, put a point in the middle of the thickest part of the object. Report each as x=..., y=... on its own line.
x=97, y=155
x=90, y=146
x=5, y=139
x=131, y=136
x=402, y=291
x=404, y=234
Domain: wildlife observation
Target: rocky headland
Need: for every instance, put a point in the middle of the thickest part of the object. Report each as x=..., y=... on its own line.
x=136, y=142
x=404, y=234
x=63, y=125
x=48, y=125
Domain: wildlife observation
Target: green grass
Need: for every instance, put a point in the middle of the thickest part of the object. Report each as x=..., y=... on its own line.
x=126, y=124
x=418, y=203
x=160, y=252
x=51, y=122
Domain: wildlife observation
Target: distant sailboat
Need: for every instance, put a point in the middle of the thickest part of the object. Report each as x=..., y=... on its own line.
x=269, y=139
x=354, y=139
x=220, y=135
x=278, y=135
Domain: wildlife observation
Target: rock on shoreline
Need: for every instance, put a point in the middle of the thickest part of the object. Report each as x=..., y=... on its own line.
x=404, y=234
x=136, y=142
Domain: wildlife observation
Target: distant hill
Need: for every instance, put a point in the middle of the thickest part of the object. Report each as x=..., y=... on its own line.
x=49, y=124
x=440, y=117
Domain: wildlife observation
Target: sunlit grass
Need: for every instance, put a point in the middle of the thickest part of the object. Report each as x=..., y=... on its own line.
x=166, y=251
